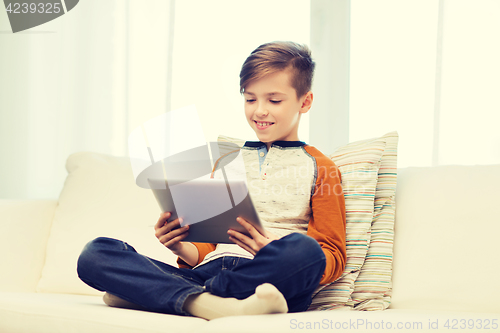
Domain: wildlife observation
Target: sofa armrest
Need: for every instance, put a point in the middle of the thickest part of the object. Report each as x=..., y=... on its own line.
x=24, y=231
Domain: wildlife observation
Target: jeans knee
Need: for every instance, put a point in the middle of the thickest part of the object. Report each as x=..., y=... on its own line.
x=303, y=249
x=92, y=254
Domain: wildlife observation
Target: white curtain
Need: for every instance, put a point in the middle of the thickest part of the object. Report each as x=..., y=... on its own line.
x=84, y=81
x=428, y=69
x=79, y=83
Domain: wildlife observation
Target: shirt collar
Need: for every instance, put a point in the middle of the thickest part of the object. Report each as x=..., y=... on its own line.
x=284, y=144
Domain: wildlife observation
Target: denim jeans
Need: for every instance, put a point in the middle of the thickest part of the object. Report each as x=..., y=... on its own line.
x=294, y=264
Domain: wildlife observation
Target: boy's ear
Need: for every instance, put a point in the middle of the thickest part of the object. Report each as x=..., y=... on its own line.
x=306, y=100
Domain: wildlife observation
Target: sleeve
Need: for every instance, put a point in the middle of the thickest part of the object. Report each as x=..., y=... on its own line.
x=328, y=219
x=203, y=250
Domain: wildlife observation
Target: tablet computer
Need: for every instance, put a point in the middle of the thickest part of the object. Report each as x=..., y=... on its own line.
x=209, y=206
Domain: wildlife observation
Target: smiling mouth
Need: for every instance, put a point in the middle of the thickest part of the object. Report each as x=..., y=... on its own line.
x=261, y=124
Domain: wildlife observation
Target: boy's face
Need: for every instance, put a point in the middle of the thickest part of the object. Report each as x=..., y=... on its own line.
x=273, y=109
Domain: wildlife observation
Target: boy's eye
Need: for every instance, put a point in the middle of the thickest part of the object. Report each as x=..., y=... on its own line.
x=250, y=100
x=275, y=101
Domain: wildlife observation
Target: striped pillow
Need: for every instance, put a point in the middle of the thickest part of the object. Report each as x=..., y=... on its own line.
x=373, y=287
x=359, y=164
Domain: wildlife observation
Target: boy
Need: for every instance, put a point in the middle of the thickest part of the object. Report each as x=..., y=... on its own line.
x=295, y=189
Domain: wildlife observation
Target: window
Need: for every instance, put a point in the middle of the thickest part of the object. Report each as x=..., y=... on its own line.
x=431, y=73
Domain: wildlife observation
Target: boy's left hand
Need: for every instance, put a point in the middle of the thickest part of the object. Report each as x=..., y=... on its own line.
x=254, y=244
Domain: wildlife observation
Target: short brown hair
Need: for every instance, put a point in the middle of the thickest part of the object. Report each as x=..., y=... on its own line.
x=277, y=56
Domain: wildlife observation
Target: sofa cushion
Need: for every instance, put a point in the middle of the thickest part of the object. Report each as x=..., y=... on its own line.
x=23, y=242
x=446, y=239
x=58, y=313
x=55, y=313
x=99, y=198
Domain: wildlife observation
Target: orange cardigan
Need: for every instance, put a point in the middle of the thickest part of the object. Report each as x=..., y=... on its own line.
x=327, y=223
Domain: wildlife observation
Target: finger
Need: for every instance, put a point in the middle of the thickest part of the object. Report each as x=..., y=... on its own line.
x=250, y=228
x=163, y=218
x=174, y=230
x=170, y=226
x=175, y=240
x=248, y=243
x=242, y=245
x=175, y=224
x=172, y=234
x=164, y=229
x=240, y=236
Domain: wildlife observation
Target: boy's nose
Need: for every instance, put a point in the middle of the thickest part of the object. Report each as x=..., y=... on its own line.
x=261, y=111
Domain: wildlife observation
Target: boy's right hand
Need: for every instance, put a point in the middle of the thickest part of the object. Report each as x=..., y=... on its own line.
x=169, y=234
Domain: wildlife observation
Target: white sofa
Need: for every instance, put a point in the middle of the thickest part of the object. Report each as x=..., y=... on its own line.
x=445, y=269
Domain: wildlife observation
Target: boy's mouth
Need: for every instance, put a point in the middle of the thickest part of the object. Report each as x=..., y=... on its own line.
x=262, y=125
